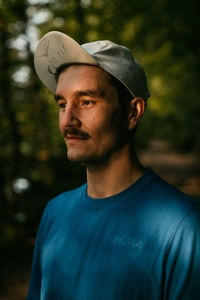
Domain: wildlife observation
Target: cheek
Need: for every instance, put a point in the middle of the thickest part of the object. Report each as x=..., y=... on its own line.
x=108, y=128
x=60, y=123
x=115, y=121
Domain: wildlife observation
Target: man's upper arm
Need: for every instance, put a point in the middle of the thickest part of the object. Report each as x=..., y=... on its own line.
x=182, y=272
x=34, y=290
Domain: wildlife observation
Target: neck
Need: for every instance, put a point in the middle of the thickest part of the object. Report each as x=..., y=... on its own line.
x=115, y=175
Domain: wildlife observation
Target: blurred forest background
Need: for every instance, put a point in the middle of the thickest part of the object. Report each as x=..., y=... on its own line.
x=162, y=34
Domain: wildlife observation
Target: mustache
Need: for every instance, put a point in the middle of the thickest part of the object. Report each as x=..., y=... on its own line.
x=75, y=132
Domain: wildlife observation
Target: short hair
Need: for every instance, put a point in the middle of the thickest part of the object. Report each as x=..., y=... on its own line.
x=124, y=95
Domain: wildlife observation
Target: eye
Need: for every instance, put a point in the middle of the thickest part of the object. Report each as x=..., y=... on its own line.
x=61, y=105
x=87, y=103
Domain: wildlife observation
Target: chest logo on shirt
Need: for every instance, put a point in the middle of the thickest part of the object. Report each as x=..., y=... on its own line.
x=127, y=241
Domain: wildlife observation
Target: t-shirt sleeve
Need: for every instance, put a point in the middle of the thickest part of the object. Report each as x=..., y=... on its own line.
x=182, y=271
x=36, y=273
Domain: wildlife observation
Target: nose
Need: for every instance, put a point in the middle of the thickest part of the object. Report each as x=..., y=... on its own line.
x=69, y=117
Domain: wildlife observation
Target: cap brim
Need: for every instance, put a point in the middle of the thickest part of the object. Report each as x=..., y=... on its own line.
x=55, y=49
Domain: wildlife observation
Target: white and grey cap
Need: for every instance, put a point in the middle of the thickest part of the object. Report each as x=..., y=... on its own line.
x=56, y=48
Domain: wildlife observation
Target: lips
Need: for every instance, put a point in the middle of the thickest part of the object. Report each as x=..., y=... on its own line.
x=75, y=134
x=75, y=137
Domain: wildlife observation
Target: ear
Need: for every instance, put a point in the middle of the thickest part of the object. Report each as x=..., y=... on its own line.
x=136, y=111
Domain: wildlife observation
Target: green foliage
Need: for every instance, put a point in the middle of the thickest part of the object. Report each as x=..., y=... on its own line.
x=162, y=36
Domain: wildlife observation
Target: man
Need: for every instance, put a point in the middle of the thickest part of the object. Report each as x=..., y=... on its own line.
x=126, y=234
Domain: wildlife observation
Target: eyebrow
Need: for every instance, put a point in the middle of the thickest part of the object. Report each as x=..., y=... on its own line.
x=58, y=97
x=80, y=93
x=86, y=93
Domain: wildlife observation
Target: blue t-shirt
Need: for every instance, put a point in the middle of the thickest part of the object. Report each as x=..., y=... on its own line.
x=140, y=244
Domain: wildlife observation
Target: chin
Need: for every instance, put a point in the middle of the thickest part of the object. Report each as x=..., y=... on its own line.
x=79, y=158
x=91, y=160
x=83, y=159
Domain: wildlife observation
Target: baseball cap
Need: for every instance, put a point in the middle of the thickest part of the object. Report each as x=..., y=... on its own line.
x=56, y=48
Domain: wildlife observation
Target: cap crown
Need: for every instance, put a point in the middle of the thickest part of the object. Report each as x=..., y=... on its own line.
x=118, y=61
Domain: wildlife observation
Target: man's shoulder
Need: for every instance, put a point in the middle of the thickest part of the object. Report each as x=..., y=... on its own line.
x=59, y=209
x=163, y=210
x=65, y=199
x=166, y=194
x=163, y=201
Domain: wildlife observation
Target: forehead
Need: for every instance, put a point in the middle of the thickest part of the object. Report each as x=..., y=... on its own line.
x=84, y=75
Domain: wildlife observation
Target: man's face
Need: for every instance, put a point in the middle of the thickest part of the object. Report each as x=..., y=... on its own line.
x=89, y=118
